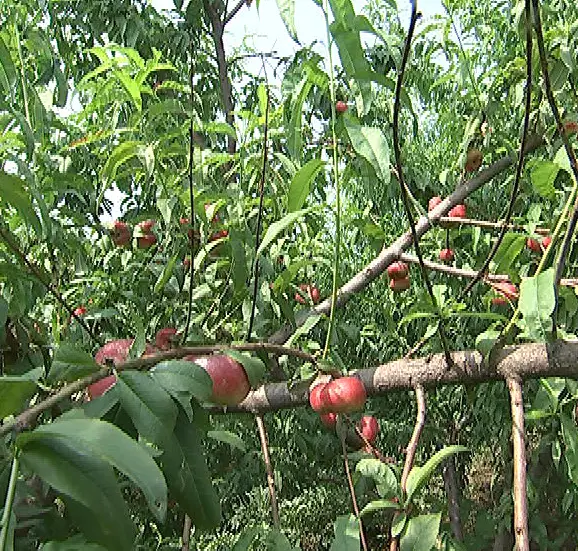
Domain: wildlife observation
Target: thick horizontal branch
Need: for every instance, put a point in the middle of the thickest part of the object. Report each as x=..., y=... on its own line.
x=392, y=253
x=526, y=361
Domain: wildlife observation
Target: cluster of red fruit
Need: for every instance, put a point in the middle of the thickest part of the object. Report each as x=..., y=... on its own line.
x=507, y=292
x=121, y=234
x=398, y=273
x=535, y=246
x=459, y=211
x=343, y=395
x=309, y=290
x=230, y=382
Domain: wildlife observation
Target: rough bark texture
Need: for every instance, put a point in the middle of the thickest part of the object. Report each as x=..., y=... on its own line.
x=525, y=361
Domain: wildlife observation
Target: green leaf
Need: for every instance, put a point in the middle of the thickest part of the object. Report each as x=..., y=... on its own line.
x=537, y=302
x=150, y=407
x=287, y=13
x=74, y=543
x=346, y=528
x=120, y=155
x=15, y=391
x=8, y=74
x=512, y=245
x=418, y=476
x=70, y=364
x=253, y=366
x=277, y=541
x=108, y=443
x=227, y=437
x=398, y=524
x=14, y=191
x=543, y=176
x=183, y=380
x=382, y=475
x=309, y=324
x=301, y=183
x=188, y=477
x=277, y=227
x=132, y=88
x=86, y=479
x=378, y=505
x=370, y=143
x=294, y=137
x=570, y=438
x=421, y=533
x=165, y=275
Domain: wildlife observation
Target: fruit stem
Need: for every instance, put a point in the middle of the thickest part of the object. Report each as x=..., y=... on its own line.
x=8, y=504
x=337, y=186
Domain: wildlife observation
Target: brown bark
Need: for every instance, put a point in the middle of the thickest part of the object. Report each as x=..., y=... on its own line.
x=520, y=489
x=218, y=28
x=453, y=495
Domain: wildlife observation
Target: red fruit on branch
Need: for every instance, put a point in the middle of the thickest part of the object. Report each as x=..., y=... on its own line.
x=100, y=387
x=369, y=427
x=433, y=203
x=533, y=245
x=446, y=255
x=230, y=382
x=117, y=352
x=473, y=160
x=146, y=241
x=341, y=106
x=506, y=289
x=184, y=221
x=546, y=242
x=570, y=127
x=397, y=270
x=311, y=290
x=218, y=235
x=344, y=395
x=146, y=225
x=165, y=338
x=499, y=301
x=120, y=233
x=318, y=398
x=459, y=211
x=315, y=294
x=329, y=420
x=399, y=285
x=80, y=311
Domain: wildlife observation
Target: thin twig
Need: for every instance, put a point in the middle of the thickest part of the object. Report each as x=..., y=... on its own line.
x=352, y=491
x=519, y=482
x=412, y=447
x=192, y=200
x=486, y=224
x=269, y=470
x=259, y=215
x=186, y=533
x=234, y=12
x=459, y=272
x=565, y=248
x=9, y=503
x=417, y=430
x=404, y=191
x=520, y=164
x=35, y=271
x=452, y=492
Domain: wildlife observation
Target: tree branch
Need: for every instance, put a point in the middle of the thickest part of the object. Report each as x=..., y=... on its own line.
x=519, y=482
x=392, y=253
